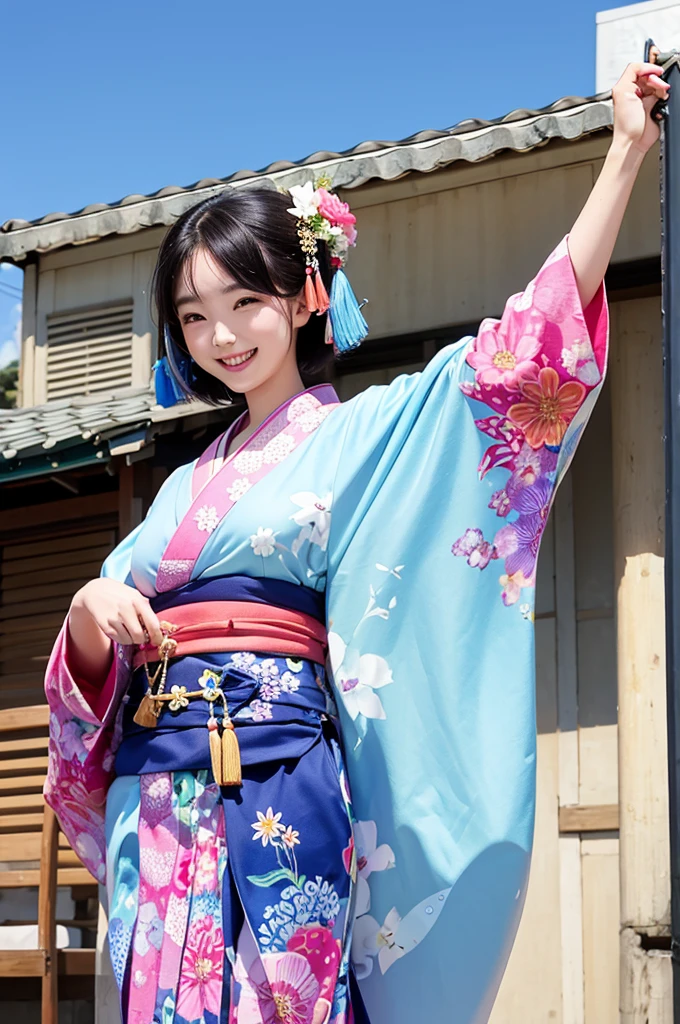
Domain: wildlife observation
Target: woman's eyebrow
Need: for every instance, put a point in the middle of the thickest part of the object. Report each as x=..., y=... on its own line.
x=185, y=300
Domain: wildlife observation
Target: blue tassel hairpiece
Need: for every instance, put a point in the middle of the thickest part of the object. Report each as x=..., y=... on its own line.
x=172, y=375
x=348, y=326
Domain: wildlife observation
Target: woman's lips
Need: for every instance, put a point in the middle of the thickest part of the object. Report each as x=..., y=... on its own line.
x=235, y=368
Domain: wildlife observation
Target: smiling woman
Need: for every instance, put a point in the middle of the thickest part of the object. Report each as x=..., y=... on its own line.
x=313, y=663
x=229, y=284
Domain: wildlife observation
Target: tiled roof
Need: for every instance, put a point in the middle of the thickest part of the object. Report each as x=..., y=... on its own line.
x=108, y=420
x=471, y=140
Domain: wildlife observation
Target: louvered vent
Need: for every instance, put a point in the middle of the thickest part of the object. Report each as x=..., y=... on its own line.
x=89, y=351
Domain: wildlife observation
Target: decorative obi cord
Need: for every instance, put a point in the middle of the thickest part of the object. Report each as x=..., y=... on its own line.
x=239, y=656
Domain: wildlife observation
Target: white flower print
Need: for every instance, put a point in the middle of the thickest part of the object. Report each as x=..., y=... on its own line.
x=396, y=937
x=579, y=362
x=248, y=462
x=268, y=826
x=289, y=684
x=278, y=448
x=523, y=300
x=305, y=199
x=370, y=857
x=239, y=488
x=357, y=677
x=206, y=518
x=314, y=517
x=311, y=420
x=262, y=542
x=244, y=660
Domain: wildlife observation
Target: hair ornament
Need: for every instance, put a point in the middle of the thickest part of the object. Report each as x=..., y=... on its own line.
x=172, y=374
x=322, y=216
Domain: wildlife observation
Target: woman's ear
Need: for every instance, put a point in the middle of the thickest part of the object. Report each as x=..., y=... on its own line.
x=301, y=314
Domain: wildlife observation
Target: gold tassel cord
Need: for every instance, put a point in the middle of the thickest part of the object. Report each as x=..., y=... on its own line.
x=215, y=750
x=231, y=755
x=149, y=708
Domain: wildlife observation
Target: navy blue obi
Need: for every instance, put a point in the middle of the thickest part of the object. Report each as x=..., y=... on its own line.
x=278, y=704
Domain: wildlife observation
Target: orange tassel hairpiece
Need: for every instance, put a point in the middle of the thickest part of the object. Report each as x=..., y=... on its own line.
x=322, y=301
x=310, y=292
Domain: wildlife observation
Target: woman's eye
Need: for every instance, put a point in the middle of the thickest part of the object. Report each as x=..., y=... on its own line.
x=191, y=318
x=244, y=302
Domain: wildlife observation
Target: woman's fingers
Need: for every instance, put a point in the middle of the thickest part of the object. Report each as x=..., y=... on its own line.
x=150, y=623
x=130, y=621
x=118, y=633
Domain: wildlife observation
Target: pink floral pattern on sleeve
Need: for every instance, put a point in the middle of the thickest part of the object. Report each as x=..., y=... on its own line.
x=83, y=741
x=537, y=373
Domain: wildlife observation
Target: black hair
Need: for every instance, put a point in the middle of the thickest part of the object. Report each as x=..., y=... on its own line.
x=249, y=233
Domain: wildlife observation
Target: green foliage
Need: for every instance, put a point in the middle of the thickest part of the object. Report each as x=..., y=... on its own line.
x=9, y=379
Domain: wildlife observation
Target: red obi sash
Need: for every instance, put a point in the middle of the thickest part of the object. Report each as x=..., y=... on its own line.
x=206, y=626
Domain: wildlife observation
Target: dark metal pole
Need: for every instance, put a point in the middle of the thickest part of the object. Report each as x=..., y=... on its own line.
x=670, y=304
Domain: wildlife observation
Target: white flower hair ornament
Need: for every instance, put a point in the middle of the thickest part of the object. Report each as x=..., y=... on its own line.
x=322, y=216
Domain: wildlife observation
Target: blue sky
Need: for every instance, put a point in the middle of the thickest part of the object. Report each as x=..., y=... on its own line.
x=102, y=100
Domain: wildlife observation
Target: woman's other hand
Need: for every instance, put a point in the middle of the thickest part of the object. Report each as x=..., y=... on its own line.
x=120, y=612
x=634, y=96
x=103, y=611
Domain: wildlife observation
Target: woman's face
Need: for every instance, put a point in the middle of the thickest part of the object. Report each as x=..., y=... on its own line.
x=239, y=336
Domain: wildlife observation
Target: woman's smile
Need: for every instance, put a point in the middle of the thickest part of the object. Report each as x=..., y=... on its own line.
x=239, y=362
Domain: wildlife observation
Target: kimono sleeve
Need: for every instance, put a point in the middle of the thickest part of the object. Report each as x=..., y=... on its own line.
x=443, y=486
x=85, y=732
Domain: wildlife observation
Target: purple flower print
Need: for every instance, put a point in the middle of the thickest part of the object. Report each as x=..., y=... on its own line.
x=500, y=501
x=262, y=710
x=474, y=548
x=528, y=530
x=533, y=500
x=531, y=464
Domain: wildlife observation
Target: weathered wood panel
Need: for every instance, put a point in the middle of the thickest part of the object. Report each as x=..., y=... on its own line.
x=637, y=417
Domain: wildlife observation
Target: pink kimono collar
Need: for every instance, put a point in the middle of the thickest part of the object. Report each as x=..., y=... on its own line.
x=213, y=497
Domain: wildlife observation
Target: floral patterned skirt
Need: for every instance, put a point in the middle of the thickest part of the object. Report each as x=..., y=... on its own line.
x=233, y=905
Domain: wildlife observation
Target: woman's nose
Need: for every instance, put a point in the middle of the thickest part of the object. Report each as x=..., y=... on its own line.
x=222, y=335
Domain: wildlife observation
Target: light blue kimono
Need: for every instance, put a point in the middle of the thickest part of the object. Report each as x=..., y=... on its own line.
x=418, y=508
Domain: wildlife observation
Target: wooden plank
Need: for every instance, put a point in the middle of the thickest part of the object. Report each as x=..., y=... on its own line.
x=571, y=906
x=23, y=802
x=26, y=610
x=91, y=550
x=12, y=822
x=24, y=744
x=571, y=926
x=28, y=782
x=584, y=818
x=23, y=680
x=23, y=764
x=61, y=511
x=32, y=663
x=33, y=717
x=22, y=963
x=600, y=868
x=78, y=568
x=30, y=877
x=25, y=846
x=27, y=595
x=20, y=846
x=76, y=961
x=9, y=632
x=638, y=475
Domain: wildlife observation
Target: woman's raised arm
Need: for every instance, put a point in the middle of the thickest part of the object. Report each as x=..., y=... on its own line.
x=593, y=236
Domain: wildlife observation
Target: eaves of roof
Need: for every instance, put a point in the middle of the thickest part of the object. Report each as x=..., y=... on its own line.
x=40, y=439
x=471, y=140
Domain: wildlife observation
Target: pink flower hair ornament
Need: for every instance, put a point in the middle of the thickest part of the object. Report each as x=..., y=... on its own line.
x=322, y=216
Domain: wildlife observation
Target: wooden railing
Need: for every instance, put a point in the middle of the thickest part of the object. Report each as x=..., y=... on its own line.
x=34, y=853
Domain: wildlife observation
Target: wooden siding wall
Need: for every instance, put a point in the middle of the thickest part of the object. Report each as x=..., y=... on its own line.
x=46, y=554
